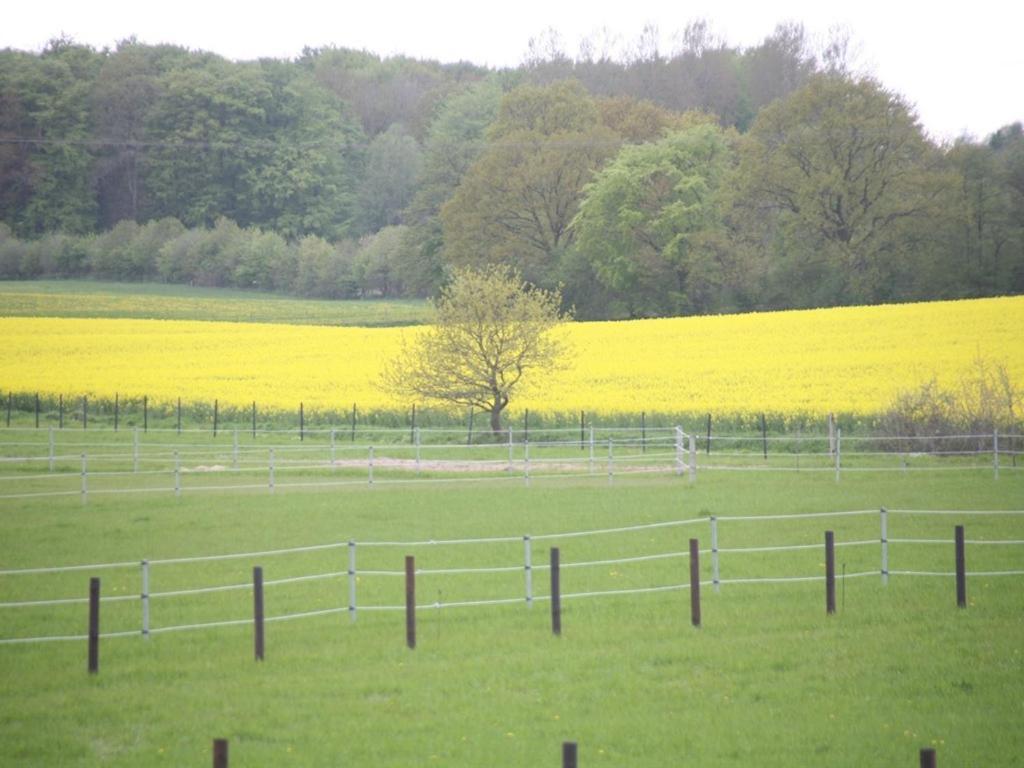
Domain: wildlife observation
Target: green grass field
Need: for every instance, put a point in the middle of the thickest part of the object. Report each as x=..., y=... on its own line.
x=769, y=678
x=161, y=301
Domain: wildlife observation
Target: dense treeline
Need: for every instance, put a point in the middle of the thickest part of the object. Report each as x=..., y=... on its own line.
x=705, y=180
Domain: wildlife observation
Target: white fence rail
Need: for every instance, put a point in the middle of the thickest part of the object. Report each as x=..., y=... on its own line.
x=650, y=567
x=53, y=463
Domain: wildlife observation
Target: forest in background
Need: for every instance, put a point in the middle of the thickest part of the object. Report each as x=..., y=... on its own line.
x=708, y=179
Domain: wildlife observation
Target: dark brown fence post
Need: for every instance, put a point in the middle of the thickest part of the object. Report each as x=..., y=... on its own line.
x=37, y=411
x=94, y=625
x=85, y=412
x=569, y=754
x=556, y=592
x=961, y=568
x=60, y=413
x=215, y=409
x=410, y=601
x=830, y=572
x=117, y=408
x=257, y=611
x=302, y=423
x=928, y=758
x=695, y=582
x=220, y=753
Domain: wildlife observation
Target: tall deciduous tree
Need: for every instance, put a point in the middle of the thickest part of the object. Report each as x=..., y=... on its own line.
x=833, y=172
x=491, y=334
x=515, y=203
x=649, y=220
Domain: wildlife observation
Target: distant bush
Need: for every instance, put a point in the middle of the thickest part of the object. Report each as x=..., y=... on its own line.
x=984, y=400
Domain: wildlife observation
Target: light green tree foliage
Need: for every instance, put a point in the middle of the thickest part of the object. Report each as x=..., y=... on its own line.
x=491, y=337
x=377, y=267
x=516, y=202
x=831, y=178
x=650, y=222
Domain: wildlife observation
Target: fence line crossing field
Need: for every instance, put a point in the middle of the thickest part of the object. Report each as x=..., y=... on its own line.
x=769, y=676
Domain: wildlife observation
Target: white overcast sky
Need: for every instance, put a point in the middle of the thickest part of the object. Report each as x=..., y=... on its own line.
x=961, y=66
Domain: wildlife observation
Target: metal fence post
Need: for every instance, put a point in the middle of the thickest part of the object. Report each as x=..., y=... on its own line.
x=995, y=452
x=714, y=553
x=526, y=461
x=884, y=518
x=145, y=599
x=85, y=480
x=839, y=451
x=528, y=570
x=693, y=459
x=352, y=580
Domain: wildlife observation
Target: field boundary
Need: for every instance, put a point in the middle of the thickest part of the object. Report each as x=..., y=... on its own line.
x=50, y=463
x=352, y=575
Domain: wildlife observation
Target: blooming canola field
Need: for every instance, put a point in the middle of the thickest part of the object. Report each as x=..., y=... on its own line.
x=809, y=362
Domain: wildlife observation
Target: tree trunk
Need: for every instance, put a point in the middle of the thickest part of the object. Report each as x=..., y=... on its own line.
x=496, y=419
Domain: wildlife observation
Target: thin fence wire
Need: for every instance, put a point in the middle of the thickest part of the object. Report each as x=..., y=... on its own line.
x=137, y=463
x=352, y=572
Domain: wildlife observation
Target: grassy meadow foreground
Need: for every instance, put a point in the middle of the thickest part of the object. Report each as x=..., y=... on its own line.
x=851, y=360
x=769, y=678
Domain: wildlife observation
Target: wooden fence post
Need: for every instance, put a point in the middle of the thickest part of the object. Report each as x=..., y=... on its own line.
x=556, y=592
x=927, y=758
x=961, y=567
x=257, y=611
x=410, y=601
x=569, y=750
x=830, y=573
x=220, y=753
x=94, y=625
x=695, y=582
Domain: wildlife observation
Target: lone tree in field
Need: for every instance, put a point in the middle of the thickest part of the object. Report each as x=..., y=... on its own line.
x=491, y=332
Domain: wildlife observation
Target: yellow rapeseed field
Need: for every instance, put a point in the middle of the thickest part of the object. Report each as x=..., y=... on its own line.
x=851, y=360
